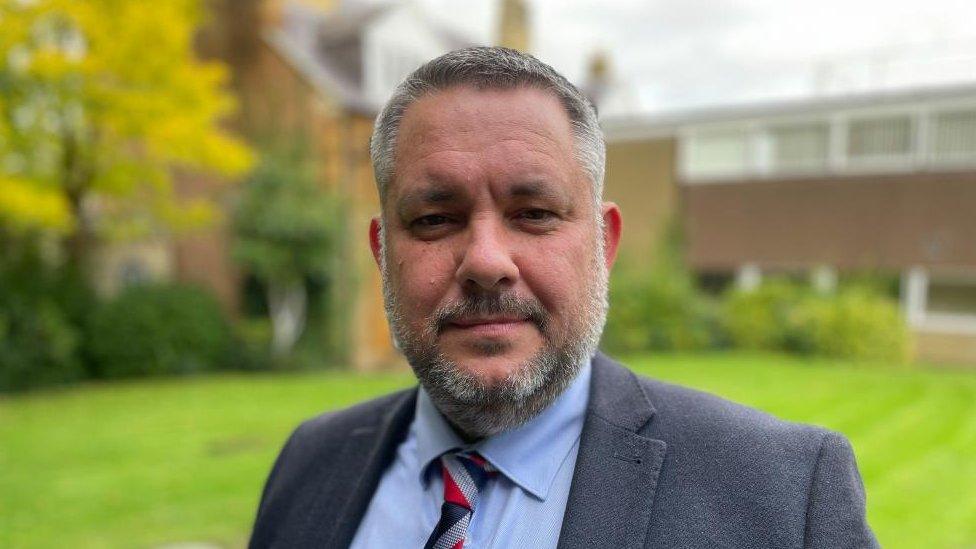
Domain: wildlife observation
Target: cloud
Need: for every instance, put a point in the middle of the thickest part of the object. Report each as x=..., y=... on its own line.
x=683, y=53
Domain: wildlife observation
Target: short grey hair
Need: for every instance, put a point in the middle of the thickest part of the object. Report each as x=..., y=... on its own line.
x=488, y=68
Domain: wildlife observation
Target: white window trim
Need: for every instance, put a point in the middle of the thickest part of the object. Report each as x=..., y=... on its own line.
x=765, y=131
x=758, y=165
x=961, y=161
x=896, y=161
x=915, y=291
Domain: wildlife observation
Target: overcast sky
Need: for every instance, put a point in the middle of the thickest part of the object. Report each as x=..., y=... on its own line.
x=676, y=54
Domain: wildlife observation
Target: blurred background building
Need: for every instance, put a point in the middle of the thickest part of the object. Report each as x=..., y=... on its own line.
x=880, y=183
x=849, y=181
x=320, y=72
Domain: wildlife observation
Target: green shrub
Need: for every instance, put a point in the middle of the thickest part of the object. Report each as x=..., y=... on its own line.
x=252, y=345
x=40, y=310
x=856, y=322
x=761, y=318
x=158, y=329
x=38, y=346
x=657, y=310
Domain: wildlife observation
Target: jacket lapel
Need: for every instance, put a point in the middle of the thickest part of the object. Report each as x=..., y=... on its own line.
x=616, y=469
x=367, y=453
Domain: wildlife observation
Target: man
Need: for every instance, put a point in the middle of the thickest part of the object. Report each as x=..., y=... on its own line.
x=495, y=249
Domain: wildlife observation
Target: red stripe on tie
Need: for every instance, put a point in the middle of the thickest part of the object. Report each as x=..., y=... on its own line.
x=452, y=492
x=459, y=544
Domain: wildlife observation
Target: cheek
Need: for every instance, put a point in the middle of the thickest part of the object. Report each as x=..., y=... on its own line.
x=555, y=271
x=423, y=273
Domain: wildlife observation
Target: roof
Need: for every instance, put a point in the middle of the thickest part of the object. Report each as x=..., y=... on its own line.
x=664, y=124
x=326, y=48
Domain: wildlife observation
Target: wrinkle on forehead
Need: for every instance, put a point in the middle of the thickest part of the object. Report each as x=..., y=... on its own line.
x=461, y=119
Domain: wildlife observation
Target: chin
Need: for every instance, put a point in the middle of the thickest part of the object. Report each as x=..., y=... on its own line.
x=482, y=396
x=490, y=366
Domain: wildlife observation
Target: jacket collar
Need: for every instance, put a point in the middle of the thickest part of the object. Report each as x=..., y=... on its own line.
x=617, y=468
x=368, y=451
x=613, y=484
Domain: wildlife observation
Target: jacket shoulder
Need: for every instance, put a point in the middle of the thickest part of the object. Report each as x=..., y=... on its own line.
x=726, y=459
x=706, y=415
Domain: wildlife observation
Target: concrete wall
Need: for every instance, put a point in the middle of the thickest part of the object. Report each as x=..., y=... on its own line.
x=945, y=348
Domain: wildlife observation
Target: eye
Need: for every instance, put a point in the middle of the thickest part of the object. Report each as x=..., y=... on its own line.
x=536, y=214
x=428, y=221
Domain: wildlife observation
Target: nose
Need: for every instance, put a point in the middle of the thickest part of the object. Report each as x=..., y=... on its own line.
x=486, y=262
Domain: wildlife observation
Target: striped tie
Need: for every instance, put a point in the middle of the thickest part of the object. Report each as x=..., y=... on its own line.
x=465, y=475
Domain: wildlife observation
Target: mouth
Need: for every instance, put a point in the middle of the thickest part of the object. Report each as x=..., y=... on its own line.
x=488, y=326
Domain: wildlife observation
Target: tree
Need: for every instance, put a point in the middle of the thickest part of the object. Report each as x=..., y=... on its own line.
x=100, y=102
x=286, y=226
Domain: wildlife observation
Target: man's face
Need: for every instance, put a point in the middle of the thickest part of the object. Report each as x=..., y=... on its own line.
x=491, y=242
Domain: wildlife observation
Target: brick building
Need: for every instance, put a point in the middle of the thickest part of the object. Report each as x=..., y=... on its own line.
x=882, y=183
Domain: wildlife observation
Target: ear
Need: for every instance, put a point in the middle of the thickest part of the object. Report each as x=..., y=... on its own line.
x=612, y=228
x=376, y=238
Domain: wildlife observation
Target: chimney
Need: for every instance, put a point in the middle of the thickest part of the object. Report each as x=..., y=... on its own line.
x=598, y=78
x=513, y=29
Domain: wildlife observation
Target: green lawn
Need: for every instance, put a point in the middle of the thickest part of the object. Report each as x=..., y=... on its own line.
x=142, y=463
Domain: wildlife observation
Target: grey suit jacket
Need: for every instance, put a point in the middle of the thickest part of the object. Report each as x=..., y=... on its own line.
x=658, y=466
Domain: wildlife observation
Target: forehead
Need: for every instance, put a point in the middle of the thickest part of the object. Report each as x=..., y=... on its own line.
x=466, y=135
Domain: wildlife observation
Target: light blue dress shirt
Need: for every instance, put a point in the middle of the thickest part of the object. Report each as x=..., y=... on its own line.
x=521, y=507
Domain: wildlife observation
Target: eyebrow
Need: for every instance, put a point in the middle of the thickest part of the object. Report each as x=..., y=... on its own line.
x=437, y=194
x=535, y=189
x=444, y=194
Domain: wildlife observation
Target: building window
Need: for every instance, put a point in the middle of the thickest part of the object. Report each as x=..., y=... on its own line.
x=954, y=135
x=940, y=302
x=950, y=297
x=714, y=283
x=799, y=146
x=716, y=154
x=874, y=139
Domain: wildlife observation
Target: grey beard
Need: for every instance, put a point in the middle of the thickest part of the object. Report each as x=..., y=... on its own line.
x=478, y=410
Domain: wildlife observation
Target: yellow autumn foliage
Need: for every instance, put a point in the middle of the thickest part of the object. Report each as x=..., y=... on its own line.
x=25, y=206
x=105, y=100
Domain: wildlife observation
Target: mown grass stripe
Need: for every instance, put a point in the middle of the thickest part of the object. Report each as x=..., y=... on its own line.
x=152, y=461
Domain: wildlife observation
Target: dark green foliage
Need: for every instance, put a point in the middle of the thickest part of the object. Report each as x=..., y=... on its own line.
x=659, y=310
x=252, y=337
x=41, y=308
x=285, y=222
x=158, y=329
x=288, y=227
x=38, y=346
x=657, y=307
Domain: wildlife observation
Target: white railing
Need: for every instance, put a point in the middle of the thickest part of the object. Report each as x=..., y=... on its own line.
x=915, y=137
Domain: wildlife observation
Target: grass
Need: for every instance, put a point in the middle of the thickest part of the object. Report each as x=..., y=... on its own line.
x=143, y=463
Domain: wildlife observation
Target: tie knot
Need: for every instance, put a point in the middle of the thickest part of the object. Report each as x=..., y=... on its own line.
x=475, y=459
x=465, y=474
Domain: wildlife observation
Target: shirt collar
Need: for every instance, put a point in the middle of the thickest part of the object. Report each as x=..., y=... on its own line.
x=529, y=455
